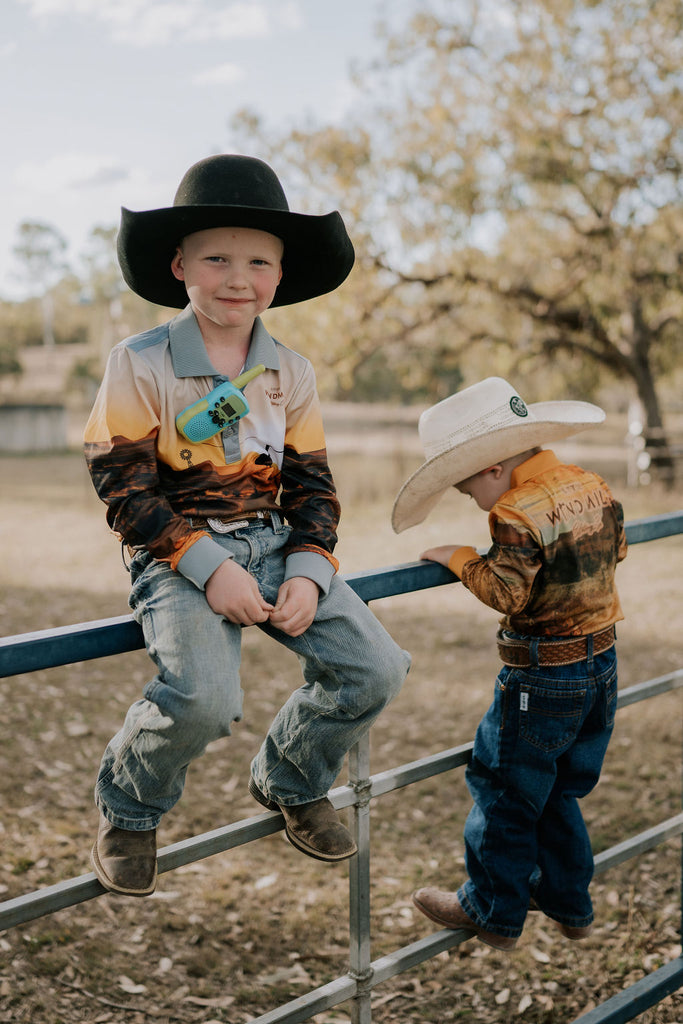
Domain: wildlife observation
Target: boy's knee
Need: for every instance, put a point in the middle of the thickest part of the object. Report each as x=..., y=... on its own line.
x=214, y=716
x=198, y=718
x=401, y=667
x=389, y=672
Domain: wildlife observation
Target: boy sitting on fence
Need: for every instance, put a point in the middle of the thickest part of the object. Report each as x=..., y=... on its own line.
x=227, y=505
x=557, y=534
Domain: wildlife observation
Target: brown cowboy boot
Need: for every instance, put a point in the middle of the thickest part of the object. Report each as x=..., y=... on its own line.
x=444, y=908
x=314, y=828
x=568, y=930
x=573, y=932
x=125, y=862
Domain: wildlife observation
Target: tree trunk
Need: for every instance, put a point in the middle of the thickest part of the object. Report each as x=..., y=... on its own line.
x=656, y=439
x=47, y=308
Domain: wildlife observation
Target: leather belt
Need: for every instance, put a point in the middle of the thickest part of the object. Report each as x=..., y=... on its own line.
x=229, y=525
x=517, y=652
x=217, y=525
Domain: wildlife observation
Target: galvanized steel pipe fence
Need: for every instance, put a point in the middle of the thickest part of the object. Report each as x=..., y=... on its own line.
x=49, y=648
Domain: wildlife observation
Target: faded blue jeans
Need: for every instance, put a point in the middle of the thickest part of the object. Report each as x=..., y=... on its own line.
x=351, y=666
x=537, y=751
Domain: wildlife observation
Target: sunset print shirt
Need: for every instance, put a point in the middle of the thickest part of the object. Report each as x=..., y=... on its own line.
x=557, y=536
x=154, y=481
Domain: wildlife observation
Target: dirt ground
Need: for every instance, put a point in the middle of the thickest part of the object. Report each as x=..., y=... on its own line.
x=233, y=936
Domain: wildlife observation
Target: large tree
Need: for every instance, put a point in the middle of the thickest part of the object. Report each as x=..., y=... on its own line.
x=554, y=127
x=513, y=186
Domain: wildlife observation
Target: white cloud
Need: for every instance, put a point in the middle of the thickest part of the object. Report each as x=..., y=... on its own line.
x=290, y=17
x=222, y=74
x=157, y=22
x=44, y=8
x=69, y=171
x=236, y=21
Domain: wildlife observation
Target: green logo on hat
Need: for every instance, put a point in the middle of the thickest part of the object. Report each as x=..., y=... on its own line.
x=518, y=406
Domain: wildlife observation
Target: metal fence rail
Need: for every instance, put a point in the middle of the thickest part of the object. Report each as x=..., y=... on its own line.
x=49, y=648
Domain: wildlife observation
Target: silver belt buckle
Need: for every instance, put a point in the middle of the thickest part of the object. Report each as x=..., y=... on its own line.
x=218, y=526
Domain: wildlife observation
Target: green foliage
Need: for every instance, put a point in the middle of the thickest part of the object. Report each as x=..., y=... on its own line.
x=94, y=311
x=40, y=249
x=10, y=365
x=84, y=377
x=512, y=182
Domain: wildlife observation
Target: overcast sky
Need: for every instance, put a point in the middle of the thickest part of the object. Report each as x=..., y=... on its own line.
x=106, y=104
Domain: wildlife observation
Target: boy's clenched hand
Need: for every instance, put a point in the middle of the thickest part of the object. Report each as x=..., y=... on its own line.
x=297, y=603
x=233, y=593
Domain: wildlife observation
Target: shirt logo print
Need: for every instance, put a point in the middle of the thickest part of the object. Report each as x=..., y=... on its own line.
x=276, y=397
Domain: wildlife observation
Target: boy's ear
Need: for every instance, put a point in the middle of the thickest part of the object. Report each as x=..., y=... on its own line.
x=177, y=268
x=497, y=470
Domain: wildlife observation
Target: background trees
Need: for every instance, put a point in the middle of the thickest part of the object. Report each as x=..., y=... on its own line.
x=40, y=252
x=571, y=140
x=512, y=183
x=516, y=193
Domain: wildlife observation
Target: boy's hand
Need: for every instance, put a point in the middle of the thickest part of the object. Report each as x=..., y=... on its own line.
x=442, y=554
x=297, y=603
x=233, y=593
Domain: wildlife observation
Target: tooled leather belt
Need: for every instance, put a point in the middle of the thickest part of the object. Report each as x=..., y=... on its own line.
x=517, y=652
x=231, y=524
x=218, y=525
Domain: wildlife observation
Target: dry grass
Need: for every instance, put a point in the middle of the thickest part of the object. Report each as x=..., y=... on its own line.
x=232, y=936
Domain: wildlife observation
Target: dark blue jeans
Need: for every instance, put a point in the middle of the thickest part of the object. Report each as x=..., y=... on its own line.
x=538, y=749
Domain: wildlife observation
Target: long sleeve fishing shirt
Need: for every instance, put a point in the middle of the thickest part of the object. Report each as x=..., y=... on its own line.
x=557, y=535
x=154, y=481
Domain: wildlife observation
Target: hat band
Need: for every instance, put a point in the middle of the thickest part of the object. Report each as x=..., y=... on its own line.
x=496, y=419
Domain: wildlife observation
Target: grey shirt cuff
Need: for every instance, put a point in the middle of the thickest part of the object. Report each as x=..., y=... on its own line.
x=201, y=560
x=311, y=565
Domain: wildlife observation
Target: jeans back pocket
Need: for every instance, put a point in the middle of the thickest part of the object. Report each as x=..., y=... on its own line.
x=550, y=716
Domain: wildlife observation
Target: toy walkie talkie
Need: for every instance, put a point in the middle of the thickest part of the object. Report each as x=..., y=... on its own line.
x=224, y=405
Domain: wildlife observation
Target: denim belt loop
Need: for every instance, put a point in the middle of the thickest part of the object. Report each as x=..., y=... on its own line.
x=533, y=652
x=589, y=651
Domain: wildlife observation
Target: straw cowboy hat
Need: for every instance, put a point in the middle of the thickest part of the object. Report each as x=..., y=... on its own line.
x=233, y=191
x=477, y=428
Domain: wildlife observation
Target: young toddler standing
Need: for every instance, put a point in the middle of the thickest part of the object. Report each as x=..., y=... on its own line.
x=557, y=534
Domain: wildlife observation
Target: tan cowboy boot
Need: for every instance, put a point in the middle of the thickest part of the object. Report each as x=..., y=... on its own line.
x=314, y=828
x=125, y=862
x=444, y=908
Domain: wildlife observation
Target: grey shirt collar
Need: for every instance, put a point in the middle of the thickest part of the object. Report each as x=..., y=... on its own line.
x=189, y=355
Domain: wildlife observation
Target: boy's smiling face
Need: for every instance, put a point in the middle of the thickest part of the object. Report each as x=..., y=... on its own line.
x=230, y=274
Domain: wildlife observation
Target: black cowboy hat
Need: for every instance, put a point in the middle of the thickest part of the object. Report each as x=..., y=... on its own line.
x=233, y=191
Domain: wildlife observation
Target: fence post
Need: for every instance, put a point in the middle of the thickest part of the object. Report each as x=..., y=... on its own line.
x=359, y=884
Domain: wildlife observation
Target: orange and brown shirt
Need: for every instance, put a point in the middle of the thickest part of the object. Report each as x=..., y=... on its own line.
x=557, y=535
x=154, y=481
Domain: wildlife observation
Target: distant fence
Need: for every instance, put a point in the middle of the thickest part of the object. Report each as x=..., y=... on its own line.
x=653, y=452
x=49, y=648
x=33, y=428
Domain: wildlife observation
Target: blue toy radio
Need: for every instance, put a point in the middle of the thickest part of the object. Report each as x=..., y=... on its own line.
x=224, y=405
